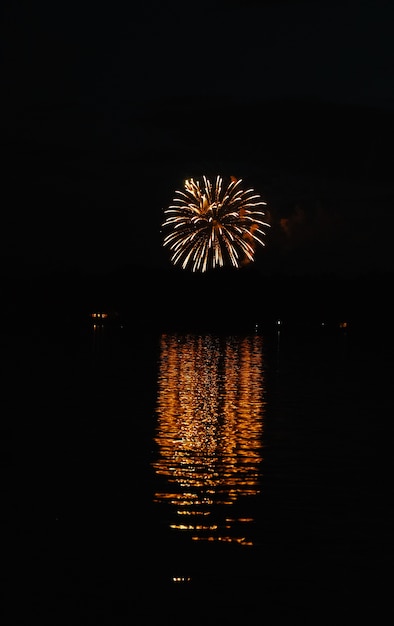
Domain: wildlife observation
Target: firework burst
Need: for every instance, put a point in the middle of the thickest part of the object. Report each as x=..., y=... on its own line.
x=212, y=225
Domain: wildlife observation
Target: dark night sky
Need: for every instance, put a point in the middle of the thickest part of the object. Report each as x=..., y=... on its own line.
x=108, y=107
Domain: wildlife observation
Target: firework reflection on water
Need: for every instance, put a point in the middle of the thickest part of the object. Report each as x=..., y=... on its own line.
x=209, y=435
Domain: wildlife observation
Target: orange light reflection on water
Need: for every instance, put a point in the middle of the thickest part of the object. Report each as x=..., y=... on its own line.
x=209, y=434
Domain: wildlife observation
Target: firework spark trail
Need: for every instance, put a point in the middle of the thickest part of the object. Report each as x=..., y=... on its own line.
x=211, y=226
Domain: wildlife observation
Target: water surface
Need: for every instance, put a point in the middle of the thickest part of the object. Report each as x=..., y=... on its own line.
x=193, y=477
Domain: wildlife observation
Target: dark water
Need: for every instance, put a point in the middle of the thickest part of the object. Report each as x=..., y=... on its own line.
x=184, y=478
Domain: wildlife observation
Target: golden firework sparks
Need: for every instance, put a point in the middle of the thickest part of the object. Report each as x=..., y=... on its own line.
x=212, y=225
